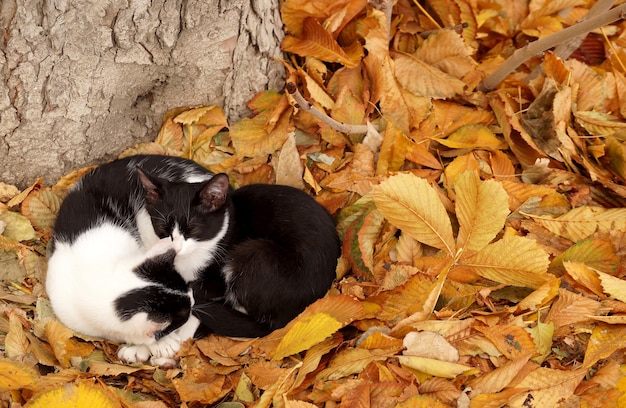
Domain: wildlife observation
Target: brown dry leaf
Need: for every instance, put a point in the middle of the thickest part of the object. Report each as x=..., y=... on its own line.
x=598, y=123
x=41, y=208
x=289, y=168
x=546, y=387
x=585, y=276
x=413, y=206
x=294, y=12
x=501, y=377
x=349, y=362
x=571, y=308
x=64, y=345
x=512, y=341
x=316, y=42
x=16, y=343
x=446, y=50
x=433, y=82
x=17, y=227
x=582, y=222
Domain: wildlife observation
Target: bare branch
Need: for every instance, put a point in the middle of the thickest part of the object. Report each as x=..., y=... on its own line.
x=564, y=50
x=539, y=46
x=308, y=107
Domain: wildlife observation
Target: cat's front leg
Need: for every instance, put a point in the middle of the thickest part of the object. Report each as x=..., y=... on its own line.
x=131, y=354
x=164, y=350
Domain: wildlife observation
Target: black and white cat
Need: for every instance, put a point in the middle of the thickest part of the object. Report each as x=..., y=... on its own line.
x=280, y=255
x=113, y=274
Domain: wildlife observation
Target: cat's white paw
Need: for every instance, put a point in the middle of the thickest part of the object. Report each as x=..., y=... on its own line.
x=134, y=354
x=166, y=347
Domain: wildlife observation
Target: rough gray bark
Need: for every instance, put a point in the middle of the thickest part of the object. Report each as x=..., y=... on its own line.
x=80, y=80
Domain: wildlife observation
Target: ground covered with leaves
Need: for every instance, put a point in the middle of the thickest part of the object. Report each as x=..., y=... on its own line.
x=484, y=232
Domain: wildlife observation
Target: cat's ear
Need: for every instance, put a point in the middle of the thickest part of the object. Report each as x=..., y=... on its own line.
x=150, y=186
x=214, y=192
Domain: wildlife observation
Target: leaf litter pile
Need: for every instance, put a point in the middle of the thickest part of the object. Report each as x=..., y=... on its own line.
x=484, y=232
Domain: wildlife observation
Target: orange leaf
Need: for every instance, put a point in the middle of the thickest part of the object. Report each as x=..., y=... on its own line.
x=317, y=42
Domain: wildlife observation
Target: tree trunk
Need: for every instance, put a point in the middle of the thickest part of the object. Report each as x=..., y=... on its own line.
x=83, y=79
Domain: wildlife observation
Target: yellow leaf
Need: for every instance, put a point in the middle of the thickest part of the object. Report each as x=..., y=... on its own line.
x=73, y=395
x=306, y=333
x=251, y=137
x=412, y=205
x=481, y=208
x=342, y=309
x=542, y=335
x=434, y=367
x=514, y=260
x=317, y=42
x=15, y=375
x=473, y=137
x=582, y=222
x=17, y=226
x=613, y=286
x=604, y=341
x=192, y=115
x=379, y=340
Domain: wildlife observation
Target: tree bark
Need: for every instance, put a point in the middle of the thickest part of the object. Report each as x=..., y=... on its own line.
x=80, y=80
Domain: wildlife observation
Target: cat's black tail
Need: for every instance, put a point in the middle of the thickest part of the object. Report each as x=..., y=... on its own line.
x=217, y=318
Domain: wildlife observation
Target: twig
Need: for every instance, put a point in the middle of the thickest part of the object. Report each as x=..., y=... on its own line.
x=539, y=46
x=307, y=107
x=564, y=50
x=386, y=6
